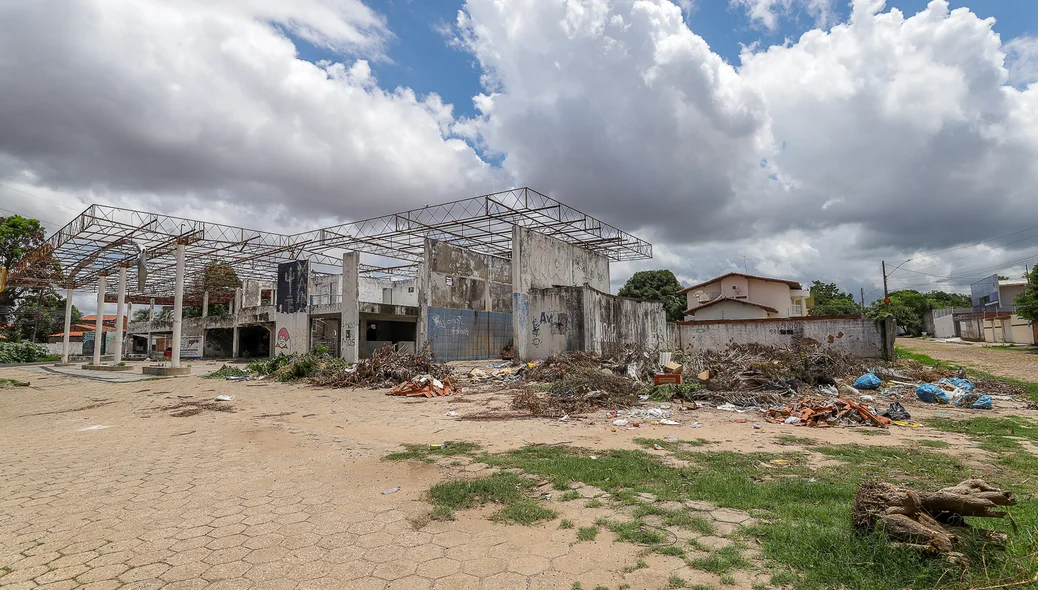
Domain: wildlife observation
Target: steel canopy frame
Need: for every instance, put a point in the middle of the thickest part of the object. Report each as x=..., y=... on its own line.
x=102, y=239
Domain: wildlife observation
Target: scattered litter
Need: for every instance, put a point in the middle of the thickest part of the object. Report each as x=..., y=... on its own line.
x=963, y=384
x=451, y=414
x=238, y=378
x=930, y=393
x=651, y=413
x=435, y=446
x=386, y=367
x=896, y=412
x=95, y=427
x=390, y=491
x=867, y=398
x=696, y=425
x=225, y=398
x=793, y=420
x=657, y=447
x=668, y=422
x=756, y=426
x=564, y=418
x=620, y=422
x=982, y=403
x=824, y=414
x=906, y=424
x=868, y=381
x=730, y=408
x=672, y=438
x=779, y=462
x=424, y=386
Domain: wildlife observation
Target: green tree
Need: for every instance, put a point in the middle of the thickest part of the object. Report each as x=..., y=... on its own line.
x=18, y=237
x=39, y=315
x=1027, y=302
x=657, y=285
x=942, y=300
x=220, y=280
x=829, y=300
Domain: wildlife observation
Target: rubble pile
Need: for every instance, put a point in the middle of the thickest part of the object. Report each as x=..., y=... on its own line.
x=757, y=367
x=425, y=386
x=580, y=391
x=387, y=367
x=559, y=365
x=826, y=413
x=929, y=520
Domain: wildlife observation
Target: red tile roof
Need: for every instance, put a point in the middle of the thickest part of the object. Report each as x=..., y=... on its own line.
x=79, y=329
x=792, y=284
x=721, y=299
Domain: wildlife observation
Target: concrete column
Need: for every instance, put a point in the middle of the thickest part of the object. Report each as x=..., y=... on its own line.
x=520, y=299
x=349, y=324
x=68, y=326
x=98, y=332
x=178, y=305
x=237, y=306
x=120, y=309
x=205, y=314
x=151, y=318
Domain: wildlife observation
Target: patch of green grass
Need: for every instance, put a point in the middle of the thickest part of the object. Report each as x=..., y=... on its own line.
x=985, y=426
x=670, y=550
x=697, y=545
x=593, y=503
x=789, y=439
x=727, y=580
x=722, y=561
x=1029, y=389
x=638, y=566
x=672, y=445
x=566, y=524
x=426, y=453
x=525, y=511
x=7, y=383
x=570, y=495
x=685, y=519
x=576, y=586
x=587, y=533
x=784, y=579
x=804, y=515
x=507, y=489
x=632, y=532
x=438, y=513
x=933, y=444
x=676, y=582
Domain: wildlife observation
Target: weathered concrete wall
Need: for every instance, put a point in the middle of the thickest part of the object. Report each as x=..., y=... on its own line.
x=1021, y=331
x=542, y=262
x=251, y=290
x=943, y=326
x=862, y=338
x=971, y=329
x=74, y=348
x=464, y=279
x=325, y=289
x=405, y=292
x=614, y=323
x=556, y=321
x=581, y=318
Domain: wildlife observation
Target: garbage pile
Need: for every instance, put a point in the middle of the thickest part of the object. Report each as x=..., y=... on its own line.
x=757, y=367
x=954, y=391
x=826, y=414
x=930, y=521
x=425, y=386
x=579, y=391
x=387, y=367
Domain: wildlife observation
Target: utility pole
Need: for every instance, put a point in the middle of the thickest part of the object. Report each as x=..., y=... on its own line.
x=863, y=301
x=886, y=295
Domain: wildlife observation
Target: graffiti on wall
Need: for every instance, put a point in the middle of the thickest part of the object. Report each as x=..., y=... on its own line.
x=555, y=322
x=292, y=286
x=283, y=343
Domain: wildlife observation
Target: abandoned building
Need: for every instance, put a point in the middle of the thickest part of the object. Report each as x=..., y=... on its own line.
x=514, y=273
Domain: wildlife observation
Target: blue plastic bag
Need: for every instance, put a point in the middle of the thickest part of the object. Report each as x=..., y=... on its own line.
x=963, y=384
x=867, y=381
x=984, y=403
x=930, y=393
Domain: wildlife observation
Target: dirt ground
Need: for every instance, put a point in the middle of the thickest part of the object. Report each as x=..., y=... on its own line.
x=152, y=484
x=1012, y=363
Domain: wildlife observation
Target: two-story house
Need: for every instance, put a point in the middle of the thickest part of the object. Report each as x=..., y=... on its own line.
x=740, y=296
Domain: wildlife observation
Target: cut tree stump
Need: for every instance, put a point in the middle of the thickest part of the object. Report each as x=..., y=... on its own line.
x=928, y=520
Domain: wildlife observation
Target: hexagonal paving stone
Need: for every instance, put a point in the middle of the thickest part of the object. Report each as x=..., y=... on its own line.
x=394, y=569
x=108, y=572
x=424, y=553
x=504, y=580
x=145, y=572
x=459, y=582
x=223, y=571
x=410, y=583
x=483, y=567
x=439, y=568
x=529, y=565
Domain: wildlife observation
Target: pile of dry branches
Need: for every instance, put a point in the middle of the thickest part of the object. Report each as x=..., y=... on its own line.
x=757, y=367
x=928, y=520
x=387, y=367
x=559, y=365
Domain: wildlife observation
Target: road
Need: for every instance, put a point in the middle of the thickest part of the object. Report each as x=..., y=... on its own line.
x=1004, y=362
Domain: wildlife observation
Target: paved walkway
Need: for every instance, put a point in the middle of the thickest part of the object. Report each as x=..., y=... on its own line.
x=137, y=486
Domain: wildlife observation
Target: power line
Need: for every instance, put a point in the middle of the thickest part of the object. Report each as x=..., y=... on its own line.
x=978, y=243
x=18, y=190
x=29, y=216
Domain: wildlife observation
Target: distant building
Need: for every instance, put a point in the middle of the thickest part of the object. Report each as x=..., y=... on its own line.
x=740, y=296
x=994, y=317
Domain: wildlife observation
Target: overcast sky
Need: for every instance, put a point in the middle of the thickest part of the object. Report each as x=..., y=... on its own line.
x=805, y=139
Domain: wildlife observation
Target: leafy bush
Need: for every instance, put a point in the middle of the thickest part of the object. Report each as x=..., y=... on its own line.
x=22, y=352
x=225, y=372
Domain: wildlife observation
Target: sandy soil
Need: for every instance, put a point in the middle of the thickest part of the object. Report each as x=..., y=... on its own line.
x=1021, y=364
x=286, y=490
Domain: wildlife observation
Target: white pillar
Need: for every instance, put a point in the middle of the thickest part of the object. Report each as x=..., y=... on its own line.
x=68, y=326
x=98, y=333
x=237, y=307
x=120, y=309
x=205, y=314
x=178, y=305
x=349, y=322
x=151, y=318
